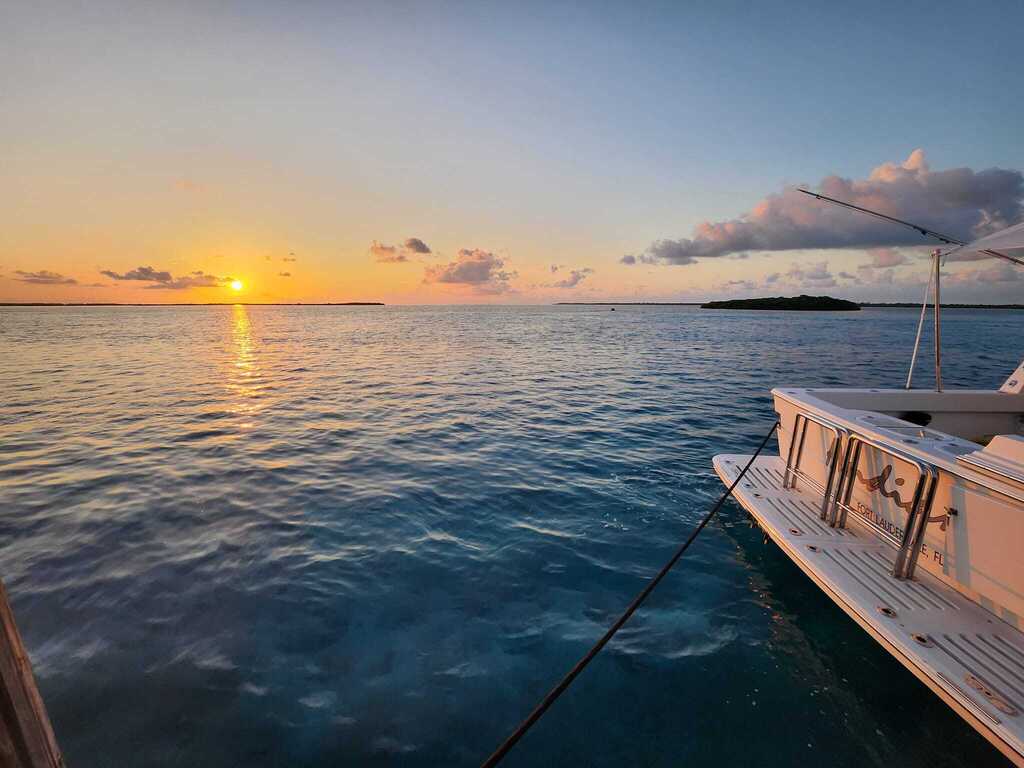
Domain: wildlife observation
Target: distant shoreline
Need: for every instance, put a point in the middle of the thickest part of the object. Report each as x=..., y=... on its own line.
x=195, y=304
x=867, y=304
x=915, y=305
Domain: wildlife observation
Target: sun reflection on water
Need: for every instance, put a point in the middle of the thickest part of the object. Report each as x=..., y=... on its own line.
x=245, y=379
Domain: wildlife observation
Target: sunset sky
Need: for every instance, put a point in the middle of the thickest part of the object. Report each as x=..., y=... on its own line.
x=506, y=153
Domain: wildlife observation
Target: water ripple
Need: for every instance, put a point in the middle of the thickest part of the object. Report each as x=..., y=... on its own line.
x=315, y=536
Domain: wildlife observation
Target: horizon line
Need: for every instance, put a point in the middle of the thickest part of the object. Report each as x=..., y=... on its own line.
x=869, y=304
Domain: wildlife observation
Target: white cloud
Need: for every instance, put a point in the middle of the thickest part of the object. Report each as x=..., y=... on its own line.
x=959, y=201
x=479, y=269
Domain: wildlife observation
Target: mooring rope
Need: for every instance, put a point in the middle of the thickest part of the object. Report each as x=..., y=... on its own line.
x=566, y=681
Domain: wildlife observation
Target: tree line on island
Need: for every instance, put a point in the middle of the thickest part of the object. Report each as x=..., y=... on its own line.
x=802, y=302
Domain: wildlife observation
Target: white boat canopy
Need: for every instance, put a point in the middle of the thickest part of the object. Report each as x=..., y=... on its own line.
x=1009, y=242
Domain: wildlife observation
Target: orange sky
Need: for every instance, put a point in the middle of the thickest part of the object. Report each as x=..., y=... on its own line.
x=540, y=155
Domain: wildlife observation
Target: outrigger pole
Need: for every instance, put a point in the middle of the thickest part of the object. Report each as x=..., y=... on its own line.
x=923, y=230
x=936, y=256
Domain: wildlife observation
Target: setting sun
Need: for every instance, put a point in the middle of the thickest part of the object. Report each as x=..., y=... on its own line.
x=236, y=285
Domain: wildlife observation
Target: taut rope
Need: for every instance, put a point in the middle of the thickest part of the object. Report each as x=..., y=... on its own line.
x=566, y=681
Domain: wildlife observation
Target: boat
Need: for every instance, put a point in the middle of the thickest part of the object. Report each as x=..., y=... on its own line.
x=906, y=507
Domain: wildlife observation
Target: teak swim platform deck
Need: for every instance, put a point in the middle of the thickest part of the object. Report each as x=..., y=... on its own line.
x=965, y=655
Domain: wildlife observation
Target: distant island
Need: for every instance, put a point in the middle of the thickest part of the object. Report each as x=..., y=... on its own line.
x=802, y=303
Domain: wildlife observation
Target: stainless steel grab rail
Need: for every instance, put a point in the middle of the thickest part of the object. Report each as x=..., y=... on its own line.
x=920, y=508
x=840, y=435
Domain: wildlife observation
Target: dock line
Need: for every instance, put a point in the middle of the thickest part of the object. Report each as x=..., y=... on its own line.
x=566, y=681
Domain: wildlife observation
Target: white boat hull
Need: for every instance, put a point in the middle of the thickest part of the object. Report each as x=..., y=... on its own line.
x=975, y=531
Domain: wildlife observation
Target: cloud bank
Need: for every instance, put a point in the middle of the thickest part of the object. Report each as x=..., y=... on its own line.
x=815, y=275
x=576, y=276
x=882, y=258
x=481, y=270
x=386, y=254
x=44, y=277
x=164, y=280
x=394, y=254
x=415, y=245
x=197, y=279
x=643, y=258
x=140, y=273
x=959, y=202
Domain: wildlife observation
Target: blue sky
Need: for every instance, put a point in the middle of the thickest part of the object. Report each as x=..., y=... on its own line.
x=202, y=137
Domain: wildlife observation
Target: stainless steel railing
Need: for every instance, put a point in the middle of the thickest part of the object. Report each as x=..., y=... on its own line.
x=920, y=507
x=840, y=436
x=843, y=459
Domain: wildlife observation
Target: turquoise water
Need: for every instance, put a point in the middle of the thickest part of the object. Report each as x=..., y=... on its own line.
x=314, y=536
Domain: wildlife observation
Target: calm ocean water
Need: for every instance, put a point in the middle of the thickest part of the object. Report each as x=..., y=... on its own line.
x=322, y=536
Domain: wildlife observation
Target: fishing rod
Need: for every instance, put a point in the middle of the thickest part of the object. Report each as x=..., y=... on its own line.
x=916, y=227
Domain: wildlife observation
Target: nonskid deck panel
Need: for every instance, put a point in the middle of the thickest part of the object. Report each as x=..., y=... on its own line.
x=969, y=657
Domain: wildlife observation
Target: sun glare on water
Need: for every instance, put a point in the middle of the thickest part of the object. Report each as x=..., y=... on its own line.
x=236, y=285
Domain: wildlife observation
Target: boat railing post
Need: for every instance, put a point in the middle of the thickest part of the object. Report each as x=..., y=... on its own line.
x=796, y=448
x=832, y=482
x=938, y=323
x=844, y=491
x=913, y=537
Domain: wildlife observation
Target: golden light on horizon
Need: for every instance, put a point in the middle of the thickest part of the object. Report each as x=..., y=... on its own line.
x=237, y=285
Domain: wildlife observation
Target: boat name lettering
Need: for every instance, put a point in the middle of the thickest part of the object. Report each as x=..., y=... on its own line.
x=894, y=530
x=877, y=483
x=881, y=522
